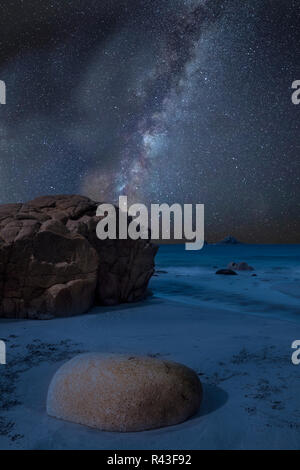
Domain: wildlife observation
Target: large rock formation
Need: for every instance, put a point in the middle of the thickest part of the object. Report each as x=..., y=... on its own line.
x=123, y=393
x=53, y=264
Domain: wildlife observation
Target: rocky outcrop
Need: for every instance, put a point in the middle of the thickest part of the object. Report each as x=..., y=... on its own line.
x=53, y=264
x=123, y=393
x=229, y=241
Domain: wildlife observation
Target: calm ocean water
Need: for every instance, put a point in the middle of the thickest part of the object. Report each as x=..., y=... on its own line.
x=189, y=277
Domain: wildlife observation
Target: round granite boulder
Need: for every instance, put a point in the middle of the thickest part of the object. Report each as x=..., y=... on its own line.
x=123, y=393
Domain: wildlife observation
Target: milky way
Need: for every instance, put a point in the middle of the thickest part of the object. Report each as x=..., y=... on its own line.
x=162, y=101
x=157, y=92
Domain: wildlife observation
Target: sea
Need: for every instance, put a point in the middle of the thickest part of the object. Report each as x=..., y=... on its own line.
x=272, y=289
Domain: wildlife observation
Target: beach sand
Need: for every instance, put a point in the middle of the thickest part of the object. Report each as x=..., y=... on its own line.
x=251, y=388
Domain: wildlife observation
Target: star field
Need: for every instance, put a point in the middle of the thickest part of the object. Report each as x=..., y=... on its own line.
x=163, y=101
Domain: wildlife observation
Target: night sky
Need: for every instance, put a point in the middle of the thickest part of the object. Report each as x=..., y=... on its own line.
x=185, y=101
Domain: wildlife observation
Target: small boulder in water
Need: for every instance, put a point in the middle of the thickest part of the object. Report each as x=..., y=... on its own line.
x=228, y=272
x=240, y=266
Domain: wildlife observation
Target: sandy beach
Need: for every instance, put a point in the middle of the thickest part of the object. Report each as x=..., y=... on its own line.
x=251, y=387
